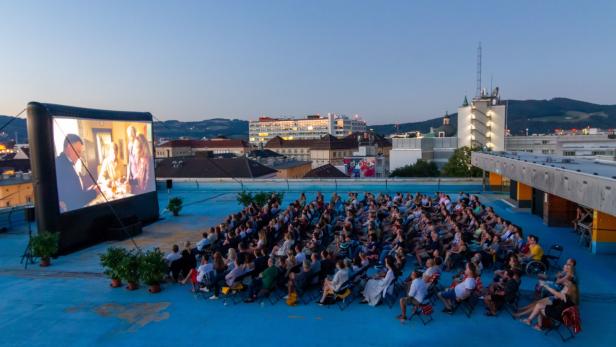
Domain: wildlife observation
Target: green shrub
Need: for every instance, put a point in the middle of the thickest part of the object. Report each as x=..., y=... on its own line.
x=152, y=267
x=111, y=261
x=45, y=244
x=175, y=205
x=128, y=268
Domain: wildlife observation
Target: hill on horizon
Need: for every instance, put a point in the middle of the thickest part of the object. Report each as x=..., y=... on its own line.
x=539, y=116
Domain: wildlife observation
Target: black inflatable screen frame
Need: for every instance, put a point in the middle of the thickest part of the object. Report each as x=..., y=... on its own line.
x=88, y=225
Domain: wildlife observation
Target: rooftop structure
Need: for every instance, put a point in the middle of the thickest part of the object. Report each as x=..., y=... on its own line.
x=555, y=186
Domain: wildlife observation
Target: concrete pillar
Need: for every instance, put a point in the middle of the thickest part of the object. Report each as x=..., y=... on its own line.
x=558, y=212
x=496, y=181
x=603, y=233
x=524, y=195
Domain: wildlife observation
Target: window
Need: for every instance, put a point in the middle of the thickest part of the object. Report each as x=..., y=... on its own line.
x=544, y=142
x=545, y=151
x=569, y=153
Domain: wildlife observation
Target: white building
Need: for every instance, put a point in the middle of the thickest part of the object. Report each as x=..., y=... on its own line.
x=406, y=151
x=482, y=123
x=597, y=144
x=312, y=127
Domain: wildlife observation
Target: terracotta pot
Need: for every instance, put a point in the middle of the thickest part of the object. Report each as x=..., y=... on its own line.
x=44, y=262
x=132, y=286
x=154, y=288
x=115, y=283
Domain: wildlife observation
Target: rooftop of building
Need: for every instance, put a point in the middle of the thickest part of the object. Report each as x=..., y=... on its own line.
x=203, y=167
x=71, y=303
x=325, y=171
x=212, y=143
x=595, y=167
x=325, y=142
x=263, y=153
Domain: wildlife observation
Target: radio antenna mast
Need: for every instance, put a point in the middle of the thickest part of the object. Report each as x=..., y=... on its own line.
x=478, y=91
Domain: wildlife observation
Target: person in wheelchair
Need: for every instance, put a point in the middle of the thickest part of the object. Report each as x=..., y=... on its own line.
x=534, y=251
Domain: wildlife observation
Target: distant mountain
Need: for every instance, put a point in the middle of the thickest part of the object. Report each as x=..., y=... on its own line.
x=231, y=128
x=16, y=126
x=539, y=116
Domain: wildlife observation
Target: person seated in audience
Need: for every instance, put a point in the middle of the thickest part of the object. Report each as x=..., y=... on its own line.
x=426, y=249
x=331, y=286
x=264, y=283
x=461, y=291
x=205, y=268
x=300, y=280
x=535, y=252
x=173, y=255
x=566, y=274
x=501, y=292
x=238, y=270
x=417, y=294
x=455, y=252
x=373, y=291
x=552, y=306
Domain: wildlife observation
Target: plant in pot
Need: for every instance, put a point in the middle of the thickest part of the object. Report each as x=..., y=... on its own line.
x=128, y=269
x=244, y=198
x=45, y=245
x=152, y=269
x=175, y=205
x=111, y=261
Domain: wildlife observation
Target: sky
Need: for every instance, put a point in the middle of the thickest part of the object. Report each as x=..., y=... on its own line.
x=388, y=61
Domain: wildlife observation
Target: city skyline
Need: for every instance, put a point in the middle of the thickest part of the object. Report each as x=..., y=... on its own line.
x=395, y=62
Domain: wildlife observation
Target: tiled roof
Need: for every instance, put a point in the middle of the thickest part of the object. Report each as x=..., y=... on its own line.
x=263, y=153
x=214, y=143
x=278, y=142
x=201, y=167
x=331, y=142
x=325, y=171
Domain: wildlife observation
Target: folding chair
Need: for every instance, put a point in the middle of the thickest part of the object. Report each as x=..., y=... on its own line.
x=553, y=255
x=571, y=324
x=424, y=312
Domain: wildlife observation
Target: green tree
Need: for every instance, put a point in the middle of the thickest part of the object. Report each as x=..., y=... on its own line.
x=421, y=168
x=459, y=165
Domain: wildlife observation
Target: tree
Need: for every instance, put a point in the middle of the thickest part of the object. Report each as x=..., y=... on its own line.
x=459, y=165
x=421, y=168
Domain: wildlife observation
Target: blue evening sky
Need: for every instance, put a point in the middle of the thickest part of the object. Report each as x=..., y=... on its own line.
x=388, y=61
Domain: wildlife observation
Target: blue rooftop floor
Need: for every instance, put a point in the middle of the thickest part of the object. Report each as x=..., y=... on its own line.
x=71, y=303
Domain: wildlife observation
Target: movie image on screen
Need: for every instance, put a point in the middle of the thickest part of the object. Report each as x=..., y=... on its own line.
x=101, y=160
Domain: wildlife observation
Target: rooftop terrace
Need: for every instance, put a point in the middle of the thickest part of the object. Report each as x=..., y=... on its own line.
x=71, y=303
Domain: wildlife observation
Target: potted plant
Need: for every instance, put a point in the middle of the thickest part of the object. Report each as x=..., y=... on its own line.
x=175, y=205
x=244, y=198
x=128, y=269
x=152, y=269
x=111, y=261
x=45, y=245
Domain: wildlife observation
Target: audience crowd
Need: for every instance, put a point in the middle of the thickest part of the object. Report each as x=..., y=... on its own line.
x=359, y=245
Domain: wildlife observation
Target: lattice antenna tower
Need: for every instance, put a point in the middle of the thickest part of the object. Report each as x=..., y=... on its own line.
x=478, y=91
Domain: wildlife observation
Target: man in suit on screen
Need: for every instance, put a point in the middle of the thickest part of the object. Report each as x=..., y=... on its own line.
x=71, y=191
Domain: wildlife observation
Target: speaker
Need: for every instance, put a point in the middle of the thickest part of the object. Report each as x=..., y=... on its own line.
x=169, y=184
x=29, y=214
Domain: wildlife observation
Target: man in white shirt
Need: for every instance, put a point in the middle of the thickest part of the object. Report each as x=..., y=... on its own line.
x=461, y=291
x=174, y=255
x=417, y=293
